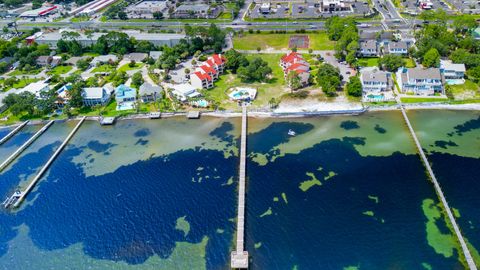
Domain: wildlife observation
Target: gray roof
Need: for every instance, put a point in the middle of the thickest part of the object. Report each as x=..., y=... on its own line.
x=73, y=60
x=137, y=57
x=105, y=58
x=369, y=44
x=374, y=76
x=148, y=89
x=155, y=54
x=420, y=73
x=398, y=45
x=194, y=7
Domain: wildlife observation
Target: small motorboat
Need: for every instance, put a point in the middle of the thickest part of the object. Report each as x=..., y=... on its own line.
x=291, y=132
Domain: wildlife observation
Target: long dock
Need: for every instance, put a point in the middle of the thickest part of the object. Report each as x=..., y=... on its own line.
x=438, y=189
x=239, y=257
x=13, y=132
x=24, y=146
x=45, y=167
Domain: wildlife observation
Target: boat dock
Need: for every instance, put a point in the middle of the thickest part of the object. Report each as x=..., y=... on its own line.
x=13, y=132
x=239, y=257
x=21, y=196
x=193, y=114
x=438, y=189
x=24, y=146
x=107, y=121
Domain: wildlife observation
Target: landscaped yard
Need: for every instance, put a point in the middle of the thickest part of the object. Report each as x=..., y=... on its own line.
x=422, y=99
x=468, y=90
x=318, y=41
x=127, y=67
x=58, y=70
x=265, y=91
x=22, y=82
x=368, y=62
x=409, y=63
x=103, y=68
x=18, y=72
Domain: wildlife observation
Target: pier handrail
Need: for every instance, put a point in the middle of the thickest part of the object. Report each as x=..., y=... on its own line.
x=13, y=132
x=24, y=146
x=47, y=165
x=438, y=189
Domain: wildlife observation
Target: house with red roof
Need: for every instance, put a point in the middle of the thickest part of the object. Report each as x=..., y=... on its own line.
x=208, y=72
x=294, y=62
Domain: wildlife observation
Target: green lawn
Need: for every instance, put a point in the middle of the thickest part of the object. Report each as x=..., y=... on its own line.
x=126, y=67
x=318, y=41
x=422, y=99
x=468, y=90
x=103, y=68
x=80, y=19
x=22, y=82
x=409, y=63
x=275, y=87
x=368, y=62
x=58, y=70
x=18, y=72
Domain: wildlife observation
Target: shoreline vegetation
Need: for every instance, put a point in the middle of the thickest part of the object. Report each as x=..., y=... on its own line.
x=271, y=113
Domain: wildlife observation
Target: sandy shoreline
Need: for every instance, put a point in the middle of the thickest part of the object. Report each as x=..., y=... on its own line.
x=288, y=112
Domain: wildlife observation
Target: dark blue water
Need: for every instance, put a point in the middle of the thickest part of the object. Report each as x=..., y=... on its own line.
x=130, y=214
x=4, y=131
x=17, y=140
x=325, y=227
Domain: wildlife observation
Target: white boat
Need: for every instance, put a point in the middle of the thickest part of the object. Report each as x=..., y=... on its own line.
x=291, y=132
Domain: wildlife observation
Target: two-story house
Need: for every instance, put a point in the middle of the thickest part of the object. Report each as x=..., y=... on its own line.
x=294, y=62
x=93, y=96
x=397, y=48
x=420, y=81
x=453, y=73
x=125, y=97
x=374, y=80
x=368, y=48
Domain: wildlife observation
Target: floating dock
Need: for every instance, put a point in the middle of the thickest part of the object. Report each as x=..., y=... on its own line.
x=107, y=121
x=21, y=196
x=193, y=115
x=154, y=115
x=24, y=146
x=239, y=257
x=13, y=132
x=438, y=189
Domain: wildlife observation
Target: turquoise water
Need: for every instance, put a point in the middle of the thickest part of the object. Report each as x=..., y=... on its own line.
x=346, y=191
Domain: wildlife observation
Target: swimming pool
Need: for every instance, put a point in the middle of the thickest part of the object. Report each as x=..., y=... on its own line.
x=376, y=97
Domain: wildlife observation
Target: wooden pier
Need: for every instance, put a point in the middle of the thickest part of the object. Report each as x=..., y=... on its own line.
x=239, y=257
x=438, y=189
x=13, y=132
x=24, y=146
x=32, y=184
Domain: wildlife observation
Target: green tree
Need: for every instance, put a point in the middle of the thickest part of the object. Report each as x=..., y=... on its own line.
x=354, y=87
x=328, y=78
x=137, y=79
x=256, y=71
x=83, y=64
x=158, y=15
x=293, y=80
x=235, y=60
x=391, y=62
x=431, y=58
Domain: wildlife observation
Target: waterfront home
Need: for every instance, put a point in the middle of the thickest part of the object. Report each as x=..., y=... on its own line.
x=184, y=91
x=36, y=88
x=201, y=80
x=217, y=62
x=96, y=96
x=148, y=92
x=420, y=81
x=103, y=59
x=63, y=96
x=294, y=62
x=368, y=48
x=125, y=97
x=397, y=47
x=453, y=73
x=374, y=80
x=208, y=72
x=137, y=57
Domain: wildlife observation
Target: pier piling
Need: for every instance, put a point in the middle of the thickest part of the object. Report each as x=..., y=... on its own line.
x=13, y=132
x=24, y=146
x=239, y=257
x=24, y=193
x=438, y=189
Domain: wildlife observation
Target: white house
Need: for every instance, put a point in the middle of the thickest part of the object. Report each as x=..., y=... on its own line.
x=420, y=81
x=184, y=91
x=397, y=47
x=453, y=73
x=368, y=48
x=374, y=80
x=96, y=96
x=36, y=88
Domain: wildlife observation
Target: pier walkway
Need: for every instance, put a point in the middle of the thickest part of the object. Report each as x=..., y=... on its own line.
x=13, y=132
x=24, y=146
x=438, y=189
x=32, y=184
x=239, y=257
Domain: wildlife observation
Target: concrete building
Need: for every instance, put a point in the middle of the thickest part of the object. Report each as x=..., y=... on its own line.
x=201, y=80
x=196, y=11
x=39, y=12
x=420, y=81
x=156, y=39
x=145, y=9
x=330, y=6
x=208, y=72
x=265, y=8
x=93, y=96
x=453, y=73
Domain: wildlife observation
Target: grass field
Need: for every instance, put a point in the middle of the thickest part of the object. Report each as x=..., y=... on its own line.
x=58, y=70
x=126, y=67
x=368, y=62
x=468, y=90
x=318, y=41
x=275, y=87
x=18, y=72
x=103, y=68
x=422, y=99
